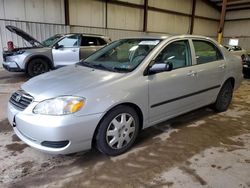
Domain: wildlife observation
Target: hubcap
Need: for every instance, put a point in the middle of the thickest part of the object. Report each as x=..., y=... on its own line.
x=120, y=131
x=39, y=68
x=226, y=97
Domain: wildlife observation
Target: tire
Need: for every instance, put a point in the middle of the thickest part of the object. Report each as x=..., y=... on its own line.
x=114, y=137
x=245, y=76
x=224, y=97
x=37, y=66
x=243, y=57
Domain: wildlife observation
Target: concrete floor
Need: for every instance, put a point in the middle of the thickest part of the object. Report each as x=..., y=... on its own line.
x=199, y=149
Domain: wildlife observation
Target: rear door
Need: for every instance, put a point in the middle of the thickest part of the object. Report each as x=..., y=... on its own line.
x=67, y=51
x=170, y=93
x=89, y=45
x=209, y=68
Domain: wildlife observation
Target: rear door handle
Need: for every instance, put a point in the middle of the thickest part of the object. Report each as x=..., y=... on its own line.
x=222, y=66
x=192, y=73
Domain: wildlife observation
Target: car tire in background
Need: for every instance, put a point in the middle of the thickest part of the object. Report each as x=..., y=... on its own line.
x=224, y=97
x=117, y=131
x=243, y=57
x=246, y=72
x=37, y=66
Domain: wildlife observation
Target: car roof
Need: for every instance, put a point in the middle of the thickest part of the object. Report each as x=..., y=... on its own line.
x=231, y=45
x=85, y=34
x=165, y=37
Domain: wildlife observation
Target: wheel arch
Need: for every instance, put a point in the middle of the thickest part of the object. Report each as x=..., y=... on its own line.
x=132, y=105
x=48, y=60
x=231, y=80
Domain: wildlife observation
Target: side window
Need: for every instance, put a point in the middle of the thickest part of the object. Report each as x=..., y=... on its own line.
x=70, y=41
x=89, y=41
x=206, y=52
x=177, y=53
x=101, y=42
x=237, y=48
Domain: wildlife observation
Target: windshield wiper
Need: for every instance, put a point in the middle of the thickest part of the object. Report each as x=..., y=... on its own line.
x=86, y=64
x=121, y=69
x=101, y=66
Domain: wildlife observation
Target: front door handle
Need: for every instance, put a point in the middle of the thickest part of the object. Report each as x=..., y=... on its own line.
x=73, y=50
x=192, y=73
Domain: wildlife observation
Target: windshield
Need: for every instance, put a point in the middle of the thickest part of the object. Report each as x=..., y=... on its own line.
x=122, y=55
x=50, y=41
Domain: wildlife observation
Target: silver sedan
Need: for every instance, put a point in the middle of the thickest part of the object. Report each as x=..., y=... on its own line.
x=127, y=86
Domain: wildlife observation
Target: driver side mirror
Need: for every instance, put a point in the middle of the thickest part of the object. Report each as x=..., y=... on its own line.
x=160, y=67
x=58, y=46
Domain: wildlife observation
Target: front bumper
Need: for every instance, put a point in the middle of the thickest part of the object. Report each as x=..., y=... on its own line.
x=76, y=132
x=12, y=66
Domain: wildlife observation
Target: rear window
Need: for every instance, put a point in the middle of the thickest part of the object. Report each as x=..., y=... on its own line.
x=92, y=41
x=237, y=48
x=206, y=52
x=101, y=41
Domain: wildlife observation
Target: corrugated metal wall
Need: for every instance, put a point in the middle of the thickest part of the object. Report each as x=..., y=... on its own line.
x=44, y=11
x=40, y=18
x=39, y=31
x=43, y=18
x=89, y=13
x=236, y=28
x=167, y=22
x=203, y=26
x=112, y=33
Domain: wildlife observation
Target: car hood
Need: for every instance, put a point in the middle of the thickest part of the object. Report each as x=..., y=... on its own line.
x=68, y=80
x=24, y=35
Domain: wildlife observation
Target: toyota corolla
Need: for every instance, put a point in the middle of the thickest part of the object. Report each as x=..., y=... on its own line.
x=129, y=85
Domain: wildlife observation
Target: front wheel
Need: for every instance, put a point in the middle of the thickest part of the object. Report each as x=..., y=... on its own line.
x=118, y=131
x=37, y=66
x=224, y=98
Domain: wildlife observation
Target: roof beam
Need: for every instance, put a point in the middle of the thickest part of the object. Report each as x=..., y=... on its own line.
x=212, y=4
x=145, y=16
x=238, y=4
x=66, y=12
x=222, y=16
x=239, y=8
x=192, y=17
x=237, y=19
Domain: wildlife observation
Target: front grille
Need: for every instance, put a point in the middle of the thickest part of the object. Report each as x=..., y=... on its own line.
x=20, y=99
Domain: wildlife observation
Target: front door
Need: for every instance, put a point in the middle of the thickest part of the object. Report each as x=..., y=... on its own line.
x=169, y=92
x=66, y=51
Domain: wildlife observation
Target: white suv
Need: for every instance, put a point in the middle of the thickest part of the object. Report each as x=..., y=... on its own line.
x=56, y=51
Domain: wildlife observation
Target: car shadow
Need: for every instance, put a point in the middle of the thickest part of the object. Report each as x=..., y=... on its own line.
x=174, y=123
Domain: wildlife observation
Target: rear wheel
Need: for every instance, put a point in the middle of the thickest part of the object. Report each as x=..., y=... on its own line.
x=118, y=131
x=37, y=66
x=224, y=97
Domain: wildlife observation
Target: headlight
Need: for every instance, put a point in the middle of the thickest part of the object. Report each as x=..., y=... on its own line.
x=19, y=52
x=60, y=105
